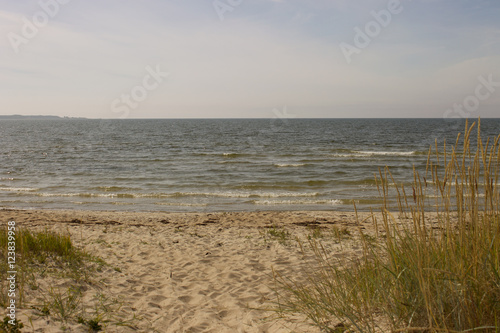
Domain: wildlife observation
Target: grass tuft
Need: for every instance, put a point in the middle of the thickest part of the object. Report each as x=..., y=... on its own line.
x=280, y=234
x=37, y=254
x=7, y=327
x=438, y=267
x=48, y=255
x=63, y=305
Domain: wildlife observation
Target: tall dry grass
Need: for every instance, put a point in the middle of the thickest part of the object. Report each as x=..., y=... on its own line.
x=437, y=268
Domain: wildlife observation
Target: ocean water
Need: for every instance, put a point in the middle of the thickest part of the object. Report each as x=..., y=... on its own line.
x=212, y=165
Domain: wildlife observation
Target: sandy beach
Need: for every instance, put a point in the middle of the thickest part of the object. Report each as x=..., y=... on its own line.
x=187, y=272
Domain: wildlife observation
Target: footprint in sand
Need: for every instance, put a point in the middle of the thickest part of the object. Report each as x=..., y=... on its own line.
x=185, y=299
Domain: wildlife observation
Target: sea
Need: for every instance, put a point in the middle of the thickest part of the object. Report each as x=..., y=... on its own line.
x=201, y=165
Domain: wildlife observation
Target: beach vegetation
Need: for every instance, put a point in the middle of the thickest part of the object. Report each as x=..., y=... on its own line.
x=341, y=233
x=315, y=233
x=94, y=325
x=277, y=233
x=63, y=305
x=42, y=255
x=436, y=268
x=7, y=327
x=104, y=312
x=38, y=254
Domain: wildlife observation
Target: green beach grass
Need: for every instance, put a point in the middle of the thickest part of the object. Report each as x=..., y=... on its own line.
x=46, y=254
x=436, y=266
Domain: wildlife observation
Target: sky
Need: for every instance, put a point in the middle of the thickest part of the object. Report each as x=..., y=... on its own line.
x=250, y=58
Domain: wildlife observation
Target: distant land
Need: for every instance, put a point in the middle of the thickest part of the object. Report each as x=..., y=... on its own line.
x=19, y=117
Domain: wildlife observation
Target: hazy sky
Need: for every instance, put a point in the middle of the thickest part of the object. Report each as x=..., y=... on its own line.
x=250, y=58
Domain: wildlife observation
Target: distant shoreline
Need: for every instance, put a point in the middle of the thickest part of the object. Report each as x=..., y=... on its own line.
x=21, y=117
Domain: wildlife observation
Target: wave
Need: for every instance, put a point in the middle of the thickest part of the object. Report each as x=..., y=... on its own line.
x=286, y=165
x=246, y=194
x=369, y=153
x=111, y=188
x=87, y=195
x=386, y=153
x=231, y=161
x=182, y=204
x=332, y=202
x=467, y=184
x=183, y=194
x=18, y=189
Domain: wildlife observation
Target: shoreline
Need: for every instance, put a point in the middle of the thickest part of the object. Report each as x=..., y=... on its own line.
x=191, y=272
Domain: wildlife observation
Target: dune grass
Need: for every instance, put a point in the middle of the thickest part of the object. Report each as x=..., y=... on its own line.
x=36, y=254
x=42, y=254
x=436, y=267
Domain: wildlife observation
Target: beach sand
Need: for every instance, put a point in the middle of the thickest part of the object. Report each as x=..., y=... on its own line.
x=188, y=272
